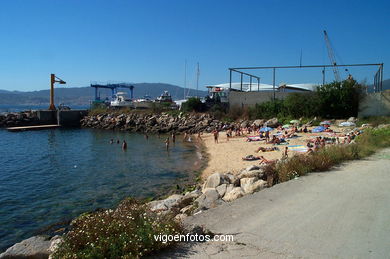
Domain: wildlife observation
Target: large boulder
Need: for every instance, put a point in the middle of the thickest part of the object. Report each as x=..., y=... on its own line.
x=245, y=183
x=234, y=194
x=33, y=247
x=273, y=123
x=188, y=198
x=209, y=199
x=230, y=187
x=254, y=187
x=167, y=204
x=258, y=123
x=254, y=173
x=221, y=189
x=213, y=181
x=252, y=167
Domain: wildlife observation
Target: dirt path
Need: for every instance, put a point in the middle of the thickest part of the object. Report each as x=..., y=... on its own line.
x=344, y=213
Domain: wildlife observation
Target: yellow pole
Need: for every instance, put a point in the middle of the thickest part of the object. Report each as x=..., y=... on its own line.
x=52, y=81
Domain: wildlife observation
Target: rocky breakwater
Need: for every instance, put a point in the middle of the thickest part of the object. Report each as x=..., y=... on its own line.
x=19, y=119
x=162, y=123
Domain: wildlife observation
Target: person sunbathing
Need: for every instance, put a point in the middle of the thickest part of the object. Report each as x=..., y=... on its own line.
x=266, y=161
x=266, y=149
x=251, y=158
x=309, y=151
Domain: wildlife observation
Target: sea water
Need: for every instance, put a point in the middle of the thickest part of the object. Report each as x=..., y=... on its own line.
x=50, y=176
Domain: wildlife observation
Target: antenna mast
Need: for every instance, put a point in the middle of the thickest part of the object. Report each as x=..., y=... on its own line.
x=197, y=80
x=185, y=78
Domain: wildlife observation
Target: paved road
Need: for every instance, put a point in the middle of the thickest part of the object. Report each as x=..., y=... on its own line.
x=339, y=214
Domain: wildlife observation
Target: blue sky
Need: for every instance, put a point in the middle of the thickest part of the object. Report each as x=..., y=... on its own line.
x=149, y=41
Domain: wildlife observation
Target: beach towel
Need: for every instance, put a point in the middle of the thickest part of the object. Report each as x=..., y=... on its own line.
x=266, y=129
x=254, y=138
x=298, y=148
x=347, y=124
x=318, y=129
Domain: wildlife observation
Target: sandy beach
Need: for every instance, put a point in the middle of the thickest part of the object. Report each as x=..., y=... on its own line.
x=226, y=156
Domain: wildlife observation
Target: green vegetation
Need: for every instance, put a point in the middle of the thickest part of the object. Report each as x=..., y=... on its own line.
x=126, y=232
x=335, y=100
x=365, y=144
x=193, y=104
x=374, y=120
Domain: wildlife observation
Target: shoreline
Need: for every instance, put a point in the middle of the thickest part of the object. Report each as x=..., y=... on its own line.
x=186, y=181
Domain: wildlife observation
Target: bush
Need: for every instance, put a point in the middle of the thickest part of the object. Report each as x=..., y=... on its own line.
x=339, y=99
x=193, y=104
x=335, y=100
x=126, y=232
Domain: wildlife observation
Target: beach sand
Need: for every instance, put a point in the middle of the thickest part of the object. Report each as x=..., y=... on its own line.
x=226, y=156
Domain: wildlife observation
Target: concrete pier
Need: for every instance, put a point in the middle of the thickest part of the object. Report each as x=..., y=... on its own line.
x=48, y=119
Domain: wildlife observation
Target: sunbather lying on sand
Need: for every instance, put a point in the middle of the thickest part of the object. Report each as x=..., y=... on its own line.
x=266, y=149
x=265, y=161
x=251, y=158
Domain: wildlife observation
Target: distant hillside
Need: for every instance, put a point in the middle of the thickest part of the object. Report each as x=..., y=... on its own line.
x=83, y=95
x=385, y=86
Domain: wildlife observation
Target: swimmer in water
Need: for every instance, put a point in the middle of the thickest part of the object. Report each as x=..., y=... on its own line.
x=124, y=145
x=167, y=143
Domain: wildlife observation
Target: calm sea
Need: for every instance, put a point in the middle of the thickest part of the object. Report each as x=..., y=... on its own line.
x=54, y=175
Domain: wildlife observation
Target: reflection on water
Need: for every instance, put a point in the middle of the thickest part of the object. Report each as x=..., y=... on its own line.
x=52, y=175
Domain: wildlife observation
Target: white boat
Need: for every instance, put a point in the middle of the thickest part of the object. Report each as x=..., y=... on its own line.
x=143, y=103
x=165, y=98
x=121, y=100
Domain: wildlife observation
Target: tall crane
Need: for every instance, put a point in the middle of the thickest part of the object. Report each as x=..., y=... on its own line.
x=332, y=57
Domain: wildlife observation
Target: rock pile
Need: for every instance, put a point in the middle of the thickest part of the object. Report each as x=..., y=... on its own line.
x=163, y=123
x=33, y=247
x=217, y=189
x=18, y=119
x=144, y=122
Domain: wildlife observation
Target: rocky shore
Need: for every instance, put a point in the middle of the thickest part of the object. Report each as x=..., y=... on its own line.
x=27, y=118
x=219, y=188
x=164, y=123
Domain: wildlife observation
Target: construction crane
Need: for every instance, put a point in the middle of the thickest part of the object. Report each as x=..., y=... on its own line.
x=53, y=80
x=332, y=57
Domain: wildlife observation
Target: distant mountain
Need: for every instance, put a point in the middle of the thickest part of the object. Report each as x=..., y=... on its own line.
x=83, y=95
x=385, y=86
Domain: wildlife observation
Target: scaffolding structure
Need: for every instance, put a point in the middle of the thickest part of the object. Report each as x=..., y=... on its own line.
x=113, y=88
x=378, y=77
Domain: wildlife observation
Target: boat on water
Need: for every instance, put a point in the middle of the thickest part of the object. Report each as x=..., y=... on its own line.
x=121, y=100
x=164, y=98
x=143, y=103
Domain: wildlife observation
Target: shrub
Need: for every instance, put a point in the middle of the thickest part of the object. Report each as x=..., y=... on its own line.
x=193, y=104
x=336, y=100
x=126, y=232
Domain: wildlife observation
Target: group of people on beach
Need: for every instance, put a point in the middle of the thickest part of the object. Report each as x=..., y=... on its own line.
x=282, y=135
